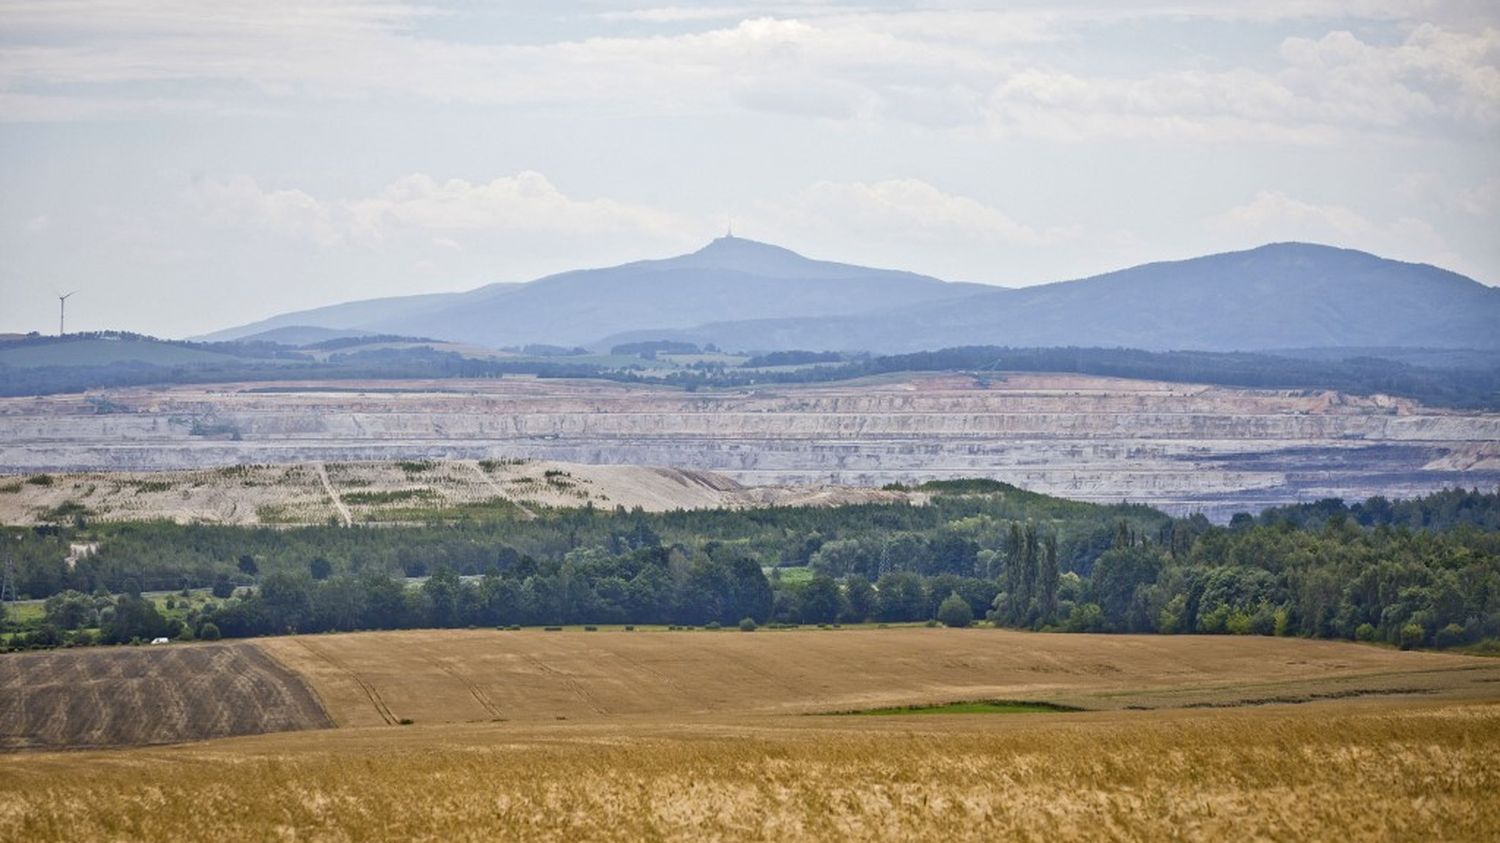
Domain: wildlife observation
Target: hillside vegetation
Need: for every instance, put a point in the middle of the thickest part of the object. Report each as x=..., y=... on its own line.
x=1414, y=574
x=52, y=365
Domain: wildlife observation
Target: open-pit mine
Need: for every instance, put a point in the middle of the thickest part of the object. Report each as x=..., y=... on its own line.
x=1180, y=447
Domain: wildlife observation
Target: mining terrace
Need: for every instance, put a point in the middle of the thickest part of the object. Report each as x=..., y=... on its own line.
x=1180, y=447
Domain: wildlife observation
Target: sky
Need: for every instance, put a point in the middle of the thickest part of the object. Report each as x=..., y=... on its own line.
x=188, y=166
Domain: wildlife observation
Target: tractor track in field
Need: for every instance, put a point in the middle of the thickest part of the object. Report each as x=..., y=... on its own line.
x=365, y=687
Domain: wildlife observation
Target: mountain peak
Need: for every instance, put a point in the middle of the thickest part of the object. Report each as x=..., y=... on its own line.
x=730, y=247
x=739, y=254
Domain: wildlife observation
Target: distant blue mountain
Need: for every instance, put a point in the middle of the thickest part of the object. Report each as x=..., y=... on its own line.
x=741, y=294
x=1279, y=296
x=730, y=278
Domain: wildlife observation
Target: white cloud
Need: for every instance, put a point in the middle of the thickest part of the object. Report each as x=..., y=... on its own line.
x=241, y=201
x=908, y=210
x=1432, y=73
x=1272, y=216
x=942, y=69
x=822, y=59
x=445, y=212
x=525, y=202
x=1480, y=199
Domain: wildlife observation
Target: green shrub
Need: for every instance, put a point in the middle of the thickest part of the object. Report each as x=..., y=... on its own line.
x=1451, y=635
x=712, y=626
x=747, y=624
x=209, y=631
x=552, y=629
x=1412, y=636
x=1364, y=632
x=1282, y=624
x=1238, y=623
x=1085, y=617
x=591, y=629
x=630, y=628
x=954, y=612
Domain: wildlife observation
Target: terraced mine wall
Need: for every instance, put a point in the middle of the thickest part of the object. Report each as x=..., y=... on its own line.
x=1180, y=447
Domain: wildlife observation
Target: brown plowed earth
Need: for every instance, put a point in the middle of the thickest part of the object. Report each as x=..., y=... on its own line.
x=123, y=696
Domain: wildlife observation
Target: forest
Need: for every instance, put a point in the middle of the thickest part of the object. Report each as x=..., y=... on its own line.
x=1467, y=380
x=1412, y=573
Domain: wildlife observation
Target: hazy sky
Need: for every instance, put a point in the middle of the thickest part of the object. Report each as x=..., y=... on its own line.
x=188, y=166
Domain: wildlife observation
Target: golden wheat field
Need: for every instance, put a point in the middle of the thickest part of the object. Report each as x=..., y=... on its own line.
x=654, y=735
x=1339, y=771
x=446, y=676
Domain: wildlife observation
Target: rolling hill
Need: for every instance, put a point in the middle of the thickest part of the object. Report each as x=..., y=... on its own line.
x=729, y=278
x=1278, y=296
x=741, y=294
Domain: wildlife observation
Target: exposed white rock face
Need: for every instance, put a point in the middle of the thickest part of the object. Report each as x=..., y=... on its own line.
x=1181, y=447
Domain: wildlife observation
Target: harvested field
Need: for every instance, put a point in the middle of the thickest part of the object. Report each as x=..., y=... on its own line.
x=656, y=735
x=143, y=695
x=1344, y=771
x=530, y=676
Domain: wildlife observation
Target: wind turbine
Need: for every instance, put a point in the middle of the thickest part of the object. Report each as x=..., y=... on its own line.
x=62, y=311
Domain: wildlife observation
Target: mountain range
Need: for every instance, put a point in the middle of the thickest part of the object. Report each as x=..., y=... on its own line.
x=746, y=295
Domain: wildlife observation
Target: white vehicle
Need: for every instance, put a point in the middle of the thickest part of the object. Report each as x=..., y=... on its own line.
x=161, y=641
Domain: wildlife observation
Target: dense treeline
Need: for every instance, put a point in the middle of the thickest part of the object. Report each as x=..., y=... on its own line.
x=650, y=348
x=1424, y=572
x=792, y=358
x=381, y=364
x=946, y=536
x=1473, y=385
x=1445, y=510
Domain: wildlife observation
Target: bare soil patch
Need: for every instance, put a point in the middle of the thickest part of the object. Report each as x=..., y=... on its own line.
x=144, y=695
